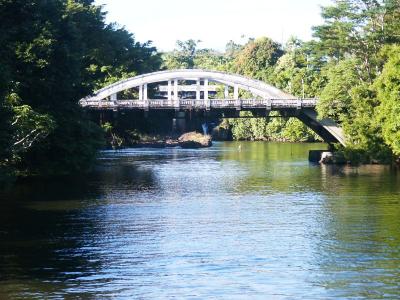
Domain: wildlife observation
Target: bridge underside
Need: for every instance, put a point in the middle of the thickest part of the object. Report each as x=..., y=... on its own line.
x=326, y=129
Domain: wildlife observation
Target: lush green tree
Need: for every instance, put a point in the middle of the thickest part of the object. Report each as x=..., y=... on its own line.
x=350, y=100
x=336, y=97
x=349, y=41
x=211, y=60
x=232, y=49
x=298, y=71
x=363, y=134
x=296, y=131
x=388, y=92
x=53, y=54
x=257, y=58
x=183, y=56
x=189, y=55
x=358, y=28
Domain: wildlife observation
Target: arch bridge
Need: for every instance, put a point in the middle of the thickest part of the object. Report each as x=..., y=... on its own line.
x=212, y=92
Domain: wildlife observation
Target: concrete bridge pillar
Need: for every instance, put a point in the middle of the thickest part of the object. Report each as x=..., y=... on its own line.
x=145, y=98
x=176, y=96
x=206, y=89
x=226, y=92
x=198, y=89
x=235, y=92
x=169, y=90
x=145, y=91
x=207, y=101
x=140, y=92
x=238, y=103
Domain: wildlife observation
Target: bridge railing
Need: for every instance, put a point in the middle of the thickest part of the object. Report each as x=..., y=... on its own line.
x=200, y=103
x=129, y=103
x=158, y=103
x=221, y=103
x=192, y=103
x=309, y=102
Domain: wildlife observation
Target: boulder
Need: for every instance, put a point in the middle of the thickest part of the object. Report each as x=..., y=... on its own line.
x=194, y=140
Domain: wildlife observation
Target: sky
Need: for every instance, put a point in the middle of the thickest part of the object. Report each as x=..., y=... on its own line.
x=214, y=22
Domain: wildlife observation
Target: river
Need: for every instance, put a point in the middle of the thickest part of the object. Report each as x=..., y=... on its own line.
x=255, y=221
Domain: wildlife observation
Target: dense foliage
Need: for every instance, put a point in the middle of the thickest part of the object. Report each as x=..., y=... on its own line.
x=352, y=66
x=387, y=87
x=354, y=42
x=53, y=53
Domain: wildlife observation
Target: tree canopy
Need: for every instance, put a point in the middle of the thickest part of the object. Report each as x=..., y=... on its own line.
x=53, y=53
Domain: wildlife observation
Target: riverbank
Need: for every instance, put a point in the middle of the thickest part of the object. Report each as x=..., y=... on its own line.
x=136, y=139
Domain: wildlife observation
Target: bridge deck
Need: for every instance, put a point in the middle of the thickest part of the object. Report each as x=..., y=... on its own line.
x=205, y=104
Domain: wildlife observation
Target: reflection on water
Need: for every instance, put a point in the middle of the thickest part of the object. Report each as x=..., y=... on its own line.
x=259, y=223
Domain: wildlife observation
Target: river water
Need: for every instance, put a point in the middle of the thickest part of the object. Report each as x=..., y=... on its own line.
x=235, y=221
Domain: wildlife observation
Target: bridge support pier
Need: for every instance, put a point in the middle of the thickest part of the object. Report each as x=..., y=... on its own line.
x=176, y=96
x=179, y=122
x=198, y=86
x=226, y=92
x=169, y=90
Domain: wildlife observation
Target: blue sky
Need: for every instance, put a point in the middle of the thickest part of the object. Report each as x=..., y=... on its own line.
x=214, y=22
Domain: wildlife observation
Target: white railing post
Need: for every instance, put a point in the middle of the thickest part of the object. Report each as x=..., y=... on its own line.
x=238, y=104
x=268, y=105
x=298, y=103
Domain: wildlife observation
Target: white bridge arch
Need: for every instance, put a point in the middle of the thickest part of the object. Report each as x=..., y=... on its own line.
x=256, y=87
x=265, y=97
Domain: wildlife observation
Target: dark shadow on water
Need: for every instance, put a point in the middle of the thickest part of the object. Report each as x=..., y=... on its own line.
x=49, y=228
